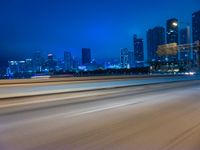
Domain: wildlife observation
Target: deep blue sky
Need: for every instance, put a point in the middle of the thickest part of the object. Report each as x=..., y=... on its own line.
x=105, y=26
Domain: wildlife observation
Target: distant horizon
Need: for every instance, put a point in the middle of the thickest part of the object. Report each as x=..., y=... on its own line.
x=104, y=26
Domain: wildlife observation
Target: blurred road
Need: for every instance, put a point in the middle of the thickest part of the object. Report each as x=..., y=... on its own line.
x=150, y=117
x=17, y=90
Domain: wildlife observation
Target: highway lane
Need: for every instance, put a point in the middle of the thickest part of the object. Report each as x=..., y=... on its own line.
x=153, y=117
x=24, y=90
x=18, y=82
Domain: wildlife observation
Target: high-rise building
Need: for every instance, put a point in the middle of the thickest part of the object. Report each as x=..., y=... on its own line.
x=75, y=63
x=29, y=65
x=124, y=58
x=155, y=37
x=196, y=26
x=172, y=31
x=184, y=36
x=184, y=54
x=17, y=66
x=196, y=35
x=131, y=59
x=68, y=62
x=86, y=56
x=37, y=61
x=172, y=36
x=13, y=66
x=50, y=63
x=138, y=51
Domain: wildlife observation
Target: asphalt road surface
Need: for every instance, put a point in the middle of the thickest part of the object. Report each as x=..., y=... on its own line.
x=150, y=117
x=14, y=90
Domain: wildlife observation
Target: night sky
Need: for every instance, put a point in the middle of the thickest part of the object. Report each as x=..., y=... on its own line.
x=105, y=26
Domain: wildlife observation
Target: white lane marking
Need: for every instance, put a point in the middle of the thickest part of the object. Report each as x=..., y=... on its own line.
x=105, y=108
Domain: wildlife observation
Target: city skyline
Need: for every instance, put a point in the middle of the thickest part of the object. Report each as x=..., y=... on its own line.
x=99, y=74
x=18, y=43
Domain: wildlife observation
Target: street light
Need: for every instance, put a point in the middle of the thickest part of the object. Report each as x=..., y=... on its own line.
x=175, y=24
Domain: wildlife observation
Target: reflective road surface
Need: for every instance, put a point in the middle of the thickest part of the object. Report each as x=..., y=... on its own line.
x=162, y=116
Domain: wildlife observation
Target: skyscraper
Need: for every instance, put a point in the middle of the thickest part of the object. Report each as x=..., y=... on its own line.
x=124, y=58
x=131, y=59
x=28, y=65
x=37, y=61
x=68, y=62
x=86, y=56
x=50, y=63
x=196, y=26
x=155, y=37
x=75, y=63
x=13, y=67
x=138, y=50
x=17, y=66
x=184, y=36
x=184, y=54
x=172, y=36
x=172, y=31
x=196, y=34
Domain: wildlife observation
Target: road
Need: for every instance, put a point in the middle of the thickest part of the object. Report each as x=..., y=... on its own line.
x=150, y=117
x=18, y=90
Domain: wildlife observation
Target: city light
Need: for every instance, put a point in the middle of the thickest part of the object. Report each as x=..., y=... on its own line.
x=99, y=75
x=175, y=24
x=138, y=52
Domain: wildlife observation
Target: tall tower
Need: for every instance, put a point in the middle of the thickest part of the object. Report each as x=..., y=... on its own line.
x=184, y=36
x=131, y=59
x=196, y=34
x=38, y=61
x=196, y=26
x=172, y=36
x=172, y=31
x=138, y=50
x=184, y=40
x=124, y=58
x=155, y=37
x=68, y=62
x=86, y=56
x=50, y=63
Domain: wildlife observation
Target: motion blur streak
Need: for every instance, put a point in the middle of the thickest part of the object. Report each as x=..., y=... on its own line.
x=154, y=117
x=18, y=90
